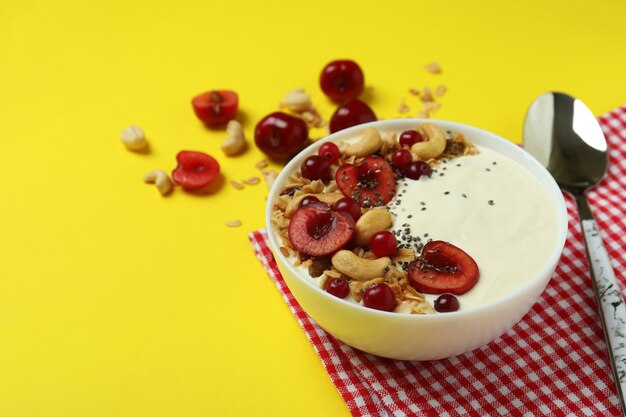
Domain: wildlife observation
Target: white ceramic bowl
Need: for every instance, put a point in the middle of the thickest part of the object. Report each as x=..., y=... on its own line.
x=420, y=337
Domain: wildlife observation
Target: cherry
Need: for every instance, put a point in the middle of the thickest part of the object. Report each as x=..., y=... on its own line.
x=280, y=135
x=351, y=113
x=318, y=231
x=383, y=243
x=330, y=151
x=195, y=170
x=338, y=287
x=216, y=107
x=349, y=206
x=380, y=297
x=309, y=199
x=443, y=268
x=446, y=303
x=342, y=80
x=402, y=158
x=370, y=184
x=416, y=169
x=316, y=168
x=410, y=137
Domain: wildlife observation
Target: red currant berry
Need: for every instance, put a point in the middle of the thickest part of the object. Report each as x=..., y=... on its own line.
x=416, y=169
x=446, y=303
x=402, y=158
x=316, y=168
x=410, y=137
x=380, y=297
x=309, y=199
x=342, y=80
x=384, y=244
x=330, y=151
x=338, y=287
x=349, y=206
x=351, y=113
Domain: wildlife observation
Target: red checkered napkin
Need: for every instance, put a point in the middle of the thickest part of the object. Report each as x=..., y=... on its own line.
x=553, y=362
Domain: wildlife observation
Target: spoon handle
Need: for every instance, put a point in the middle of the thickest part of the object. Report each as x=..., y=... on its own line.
x=608, y=295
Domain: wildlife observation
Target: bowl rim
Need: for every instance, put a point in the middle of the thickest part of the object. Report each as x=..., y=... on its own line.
x=545, y=178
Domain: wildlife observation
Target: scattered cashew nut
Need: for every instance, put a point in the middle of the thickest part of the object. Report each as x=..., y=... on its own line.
x=298, y=101
x=369, y=143
x=235, y=142
x=433, y=146
x=360, y=269
x=328, y=198
x=372, y=221
x=133, y=138
x=162, y=181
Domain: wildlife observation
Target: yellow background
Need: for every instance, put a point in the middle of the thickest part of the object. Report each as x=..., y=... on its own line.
x=117, y=302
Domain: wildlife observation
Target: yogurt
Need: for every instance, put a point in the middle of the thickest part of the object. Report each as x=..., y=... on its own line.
x=489, y=206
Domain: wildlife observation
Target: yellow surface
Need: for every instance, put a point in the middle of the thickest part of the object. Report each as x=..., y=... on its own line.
x=117, y=302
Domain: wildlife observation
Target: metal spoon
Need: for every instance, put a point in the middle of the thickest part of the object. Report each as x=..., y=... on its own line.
x=563, y=134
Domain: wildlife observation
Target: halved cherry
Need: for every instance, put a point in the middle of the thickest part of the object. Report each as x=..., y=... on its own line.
x=316, y=230
x=443, y=268
x=195, y=170
x=216, y=107
x=371, y=183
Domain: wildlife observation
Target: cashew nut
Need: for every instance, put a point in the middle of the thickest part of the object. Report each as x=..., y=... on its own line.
x=298, y=101
x=372, y=221
x=369, y=143
x=162, y=181
x=433, y=146
x=357, y=268
x=235, y=142
x=133, y=138
x=328, y=198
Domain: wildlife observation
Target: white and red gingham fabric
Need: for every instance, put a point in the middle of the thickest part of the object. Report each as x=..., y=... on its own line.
x=552, y=363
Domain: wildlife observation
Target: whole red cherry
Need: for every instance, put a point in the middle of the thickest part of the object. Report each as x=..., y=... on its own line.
x=351, y=113
x=342, y=80
x=280, y=135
